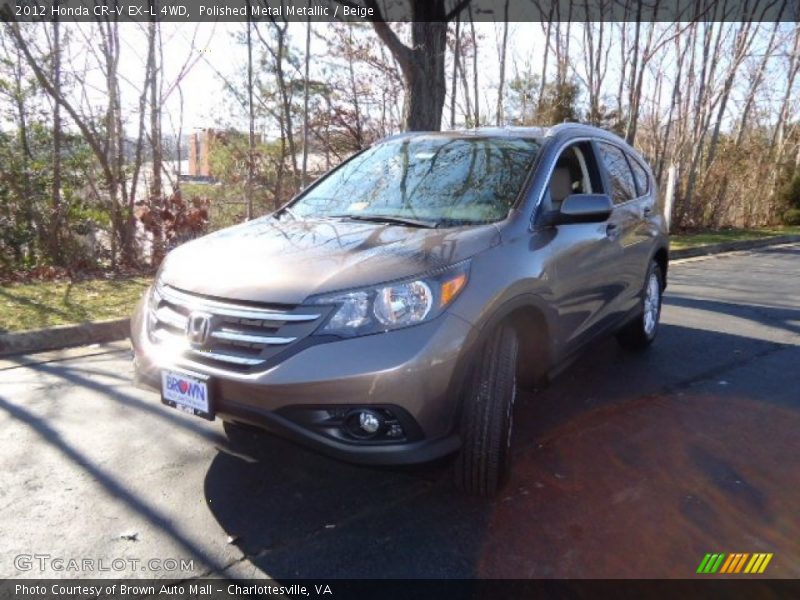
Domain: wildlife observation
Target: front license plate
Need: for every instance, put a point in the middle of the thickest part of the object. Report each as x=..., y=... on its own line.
x=188, y=393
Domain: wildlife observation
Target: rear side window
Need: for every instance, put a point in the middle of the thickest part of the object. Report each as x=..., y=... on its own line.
x=622, y=185
x=640, y=175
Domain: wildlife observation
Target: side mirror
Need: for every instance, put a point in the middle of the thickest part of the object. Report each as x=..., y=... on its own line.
x=583, y=208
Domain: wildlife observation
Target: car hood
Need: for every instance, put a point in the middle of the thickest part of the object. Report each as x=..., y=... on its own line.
x=284, y=262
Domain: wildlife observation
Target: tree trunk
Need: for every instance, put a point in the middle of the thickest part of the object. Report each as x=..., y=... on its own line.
x=24, y=145
x=741, y=47
x=503, y=49
x=422, y=64
x=56, y=223
x=251, y=118
x=355, y=91
x=453, y=87
x=462, y=73
x=543, y=77
x=756, y=79
x=476, y=89
x=424, y=76
x=156, y=188
x=304, y=180
x=783, y=115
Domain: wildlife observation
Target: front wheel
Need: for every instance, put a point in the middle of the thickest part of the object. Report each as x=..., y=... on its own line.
x=640, y=333
x=483, y=464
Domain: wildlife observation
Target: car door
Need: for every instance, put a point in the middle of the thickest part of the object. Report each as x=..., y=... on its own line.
x=582, y=257
x=647, y=228
x=625, y=225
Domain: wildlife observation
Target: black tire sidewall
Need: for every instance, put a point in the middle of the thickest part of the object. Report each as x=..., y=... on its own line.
x=484, y=462
x=654, y=268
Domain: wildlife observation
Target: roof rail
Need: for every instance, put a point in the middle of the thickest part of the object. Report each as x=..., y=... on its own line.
x=510, y=129
x=398, y=136
x=556, y=129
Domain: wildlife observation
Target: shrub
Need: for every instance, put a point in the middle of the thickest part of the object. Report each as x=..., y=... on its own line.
x=790, y=192
x=792, y=216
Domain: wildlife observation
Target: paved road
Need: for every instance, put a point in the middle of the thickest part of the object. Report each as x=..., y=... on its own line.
x=625, y=466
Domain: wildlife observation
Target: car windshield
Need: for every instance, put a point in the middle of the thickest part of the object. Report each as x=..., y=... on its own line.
x=428, y=179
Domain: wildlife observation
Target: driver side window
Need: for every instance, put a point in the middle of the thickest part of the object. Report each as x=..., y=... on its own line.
x=574, y=173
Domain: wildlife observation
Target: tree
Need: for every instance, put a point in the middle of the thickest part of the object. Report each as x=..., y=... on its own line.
x=156, y=184
x=57, y=218
x=559, y=103
x=103, y=135
x=359, y=88
x=521, y=102
x=422, y=63
x=499, y=118
x=251, y=117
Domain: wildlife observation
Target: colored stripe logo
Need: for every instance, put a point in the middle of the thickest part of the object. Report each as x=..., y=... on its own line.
x=735, y=563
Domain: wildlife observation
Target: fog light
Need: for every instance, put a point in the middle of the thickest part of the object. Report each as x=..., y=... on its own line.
x=369, y=422
x=364, y=423
x=395, y=431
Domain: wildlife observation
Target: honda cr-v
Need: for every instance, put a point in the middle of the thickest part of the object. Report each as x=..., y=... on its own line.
x=388, y=313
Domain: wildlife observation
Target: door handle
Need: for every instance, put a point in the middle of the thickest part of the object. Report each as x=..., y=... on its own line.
x=612, y=230
x=648, y=210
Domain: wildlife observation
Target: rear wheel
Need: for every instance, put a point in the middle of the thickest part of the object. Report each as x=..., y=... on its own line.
x=483, y=465
x=640, y=333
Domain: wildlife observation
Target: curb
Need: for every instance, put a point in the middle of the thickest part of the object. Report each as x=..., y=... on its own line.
x=732, y=246
x=63, y=336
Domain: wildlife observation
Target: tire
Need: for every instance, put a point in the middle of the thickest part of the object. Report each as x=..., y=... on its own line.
x=483, y=464
x=640, y=333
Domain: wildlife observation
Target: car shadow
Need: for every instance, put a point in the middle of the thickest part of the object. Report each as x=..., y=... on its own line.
x=621, y=452
x=274, y=497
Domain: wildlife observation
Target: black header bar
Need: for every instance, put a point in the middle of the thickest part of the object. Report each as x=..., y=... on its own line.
x=402, y=10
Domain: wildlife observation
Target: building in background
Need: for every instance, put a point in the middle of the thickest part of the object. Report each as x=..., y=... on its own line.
x=200, y=144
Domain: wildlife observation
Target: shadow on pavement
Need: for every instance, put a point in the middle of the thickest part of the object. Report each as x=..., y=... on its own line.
x=114, y=484
x=626, y=466
x=784, y=318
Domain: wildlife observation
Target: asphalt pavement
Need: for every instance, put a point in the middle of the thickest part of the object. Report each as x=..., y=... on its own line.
x=625, y=466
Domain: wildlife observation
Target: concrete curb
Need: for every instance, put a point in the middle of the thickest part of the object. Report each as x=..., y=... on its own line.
x=63, y=336
x=732, y=246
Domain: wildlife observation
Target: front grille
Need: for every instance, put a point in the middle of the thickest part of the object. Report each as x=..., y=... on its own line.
x=228, y=334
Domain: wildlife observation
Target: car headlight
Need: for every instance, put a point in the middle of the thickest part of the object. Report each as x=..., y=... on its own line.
x=154, y=297
x=393, y=305
x=153, y=300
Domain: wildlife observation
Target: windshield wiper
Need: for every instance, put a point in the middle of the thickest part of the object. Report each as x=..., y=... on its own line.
x=389, y=219
x=288, y=211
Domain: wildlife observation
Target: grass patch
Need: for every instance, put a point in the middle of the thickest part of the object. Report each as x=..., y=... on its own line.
x=704, y=238
x=47, y=303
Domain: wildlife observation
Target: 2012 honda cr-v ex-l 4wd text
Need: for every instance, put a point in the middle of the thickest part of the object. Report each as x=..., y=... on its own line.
x=388, y=313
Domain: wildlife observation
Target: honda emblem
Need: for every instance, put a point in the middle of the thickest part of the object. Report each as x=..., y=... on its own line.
x=198, y=328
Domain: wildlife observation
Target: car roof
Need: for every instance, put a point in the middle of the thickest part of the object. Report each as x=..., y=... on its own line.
x=512, y=131
x=562, y=132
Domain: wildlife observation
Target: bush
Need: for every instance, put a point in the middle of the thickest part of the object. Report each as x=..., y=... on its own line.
x=790, y=192
x=792, y=217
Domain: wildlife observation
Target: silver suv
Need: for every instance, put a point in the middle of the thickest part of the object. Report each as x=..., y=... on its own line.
x=388, y=313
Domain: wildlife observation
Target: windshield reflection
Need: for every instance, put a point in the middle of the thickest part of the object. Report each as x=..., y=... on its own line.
x=428, y=179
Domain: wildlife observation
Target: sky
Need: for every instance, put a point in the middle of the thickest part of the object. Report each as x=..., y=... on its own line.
x=217, y=52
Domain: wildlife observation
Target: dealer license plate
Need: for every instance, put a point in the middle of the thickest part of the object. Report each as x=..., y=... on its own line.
x=189, y=393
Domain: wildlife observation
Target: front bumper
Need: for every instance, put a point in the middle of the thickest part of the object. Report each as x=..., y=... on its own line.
x=417, y=369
